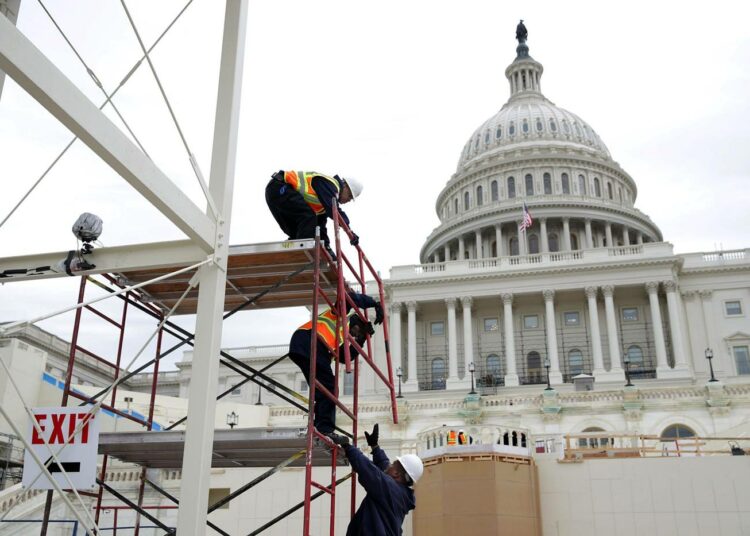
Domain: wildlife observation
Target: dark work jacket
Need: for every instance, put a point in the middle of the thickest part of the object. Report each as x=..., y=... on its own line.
x=383, y=510
x=300, y=342
x=326, y=194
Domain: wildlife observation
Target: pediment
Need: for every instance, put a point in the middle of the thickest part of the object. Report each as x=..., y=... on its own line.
x=738, y=336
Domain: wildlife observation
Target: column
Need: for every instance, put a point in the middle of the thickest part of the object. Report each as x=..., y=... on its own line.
x=478, y=243
x=639, y=238
x=461, y=248
x=675, y=328
x=625, y=236
x=615, y=370
x=446, y=252
x=555, y=377
x=589, y=235
x=499, y=239
x=596, y=338
x=566, y=234
x=608, y=232
x=411, y=334
x=543, y=231
x=394, y=331
x=452, y=340
x=466, y=302
x=662, y=366
x=511, y=376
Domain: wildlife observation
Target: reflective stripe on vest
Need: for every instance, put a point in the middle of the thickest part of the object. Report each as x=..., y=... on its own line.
x=327, y=329
x=452, y=437
x=302, y=182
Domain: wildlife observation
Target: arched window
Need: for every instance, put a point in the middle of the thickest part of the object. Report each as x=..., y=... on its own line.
x=511, y=187
x=575, y=362
x=499, y=132
x=597, y=187
x=592, y=442
x=677, y=431
x=438, y=373
x=514, y=246
x=552, y=125
x=466, y=201
x=547, y=184
x=487, y=137
x=455, y=206
x=539, y=125
x=534, y=367
x=525, y=126
x=479, y=196
x=553, y=242
x=573, y=242
x=533, y=244
x=529, y=185
x=565, y=183
x=635, y=355
x=566, y=127
x=512, y=129
x=581, y=185
x=494, y=191
x=610, y=194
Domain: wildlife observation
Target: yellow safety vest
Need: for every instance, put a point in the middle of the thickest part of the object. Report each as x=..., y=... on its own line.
x=302, y=182
x=327, y=329
x=452, y=437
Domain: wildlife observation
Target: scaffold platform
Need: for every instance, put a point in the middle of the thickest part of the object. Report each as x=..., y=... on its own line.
x=242, y=447
x=284, y=269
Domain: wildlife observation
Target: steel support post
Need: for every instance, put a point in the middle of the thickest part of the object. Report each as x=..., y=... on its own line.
x=199, y=435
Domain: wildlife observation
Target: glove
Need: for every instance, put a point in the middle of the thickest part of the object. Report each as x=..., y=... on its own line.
x=355, y=240
x=378, y=314
x=372, y=439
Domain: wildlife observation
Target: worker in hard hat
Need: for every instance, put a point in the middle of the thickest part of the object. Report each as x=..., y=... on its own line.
x=388, y=485
x=299, y=352
x=300, y=201
x=462, y=438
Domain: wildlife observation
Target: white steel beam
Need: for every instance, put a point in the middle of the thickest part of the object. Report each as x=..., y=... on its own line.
x=107, y=260
x=199, y=434
x=35, y=73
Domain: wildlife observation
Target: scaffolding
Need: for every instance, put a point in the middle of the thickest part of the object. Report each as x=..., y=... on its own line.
x=11, y=460
x=282, y=274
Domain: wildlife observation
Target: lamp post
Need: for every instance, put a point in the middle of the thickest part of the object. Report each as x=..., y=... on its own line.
x=547, y=365
x=399, y=373
x=232, y=419
x=626, y=362
x=471, y=370
x=710, y=355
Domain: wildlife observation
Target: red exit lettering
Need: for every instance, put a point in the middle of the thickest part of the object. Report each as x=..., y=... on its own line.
x=57, y=436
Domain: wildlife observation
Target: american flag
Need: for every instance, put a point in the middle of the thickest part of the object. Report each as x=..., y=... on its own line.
x=527, y=220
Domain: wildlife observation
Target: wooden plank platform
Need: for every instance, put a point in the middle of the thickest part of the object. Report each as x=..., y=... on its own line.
x=241, y=447
x=252, y=268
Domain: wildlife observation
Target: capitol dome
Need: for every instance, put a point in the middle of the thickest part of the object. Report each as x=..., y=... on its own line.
x=535, y=153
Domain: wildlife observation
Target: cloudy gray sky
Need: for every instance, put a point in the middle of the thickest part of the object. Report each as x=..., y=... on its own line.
x=389, y=93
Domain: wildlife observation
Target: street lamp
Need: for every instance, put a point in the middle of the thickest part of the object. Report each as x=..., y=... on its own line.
x=399, y=373
x=232, y=419
x=547, y=365
x=471, y=369
x=626, y=362
x=710, y=355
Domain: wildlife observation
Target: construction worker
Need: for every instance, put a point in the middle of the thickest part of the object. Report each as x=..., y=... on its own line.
x=300, y=201
x=388, y=485
x=461, y=437
x=451, y=438
x=328, y=341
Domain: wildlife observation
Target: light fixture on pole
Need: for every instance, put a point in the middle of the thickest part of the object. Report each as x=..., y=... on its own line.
x=232, y=419
x=547, y=365
x=626, y=362
x=471, y=370
x=399, y=373
x=710, y=356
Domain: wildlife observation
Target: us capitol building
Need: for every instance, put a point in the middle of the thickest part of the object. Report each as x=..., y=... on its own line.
x=589, y=298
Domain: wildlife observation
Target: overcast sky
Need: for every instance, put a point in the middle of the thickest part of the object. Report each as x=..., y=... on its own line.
x=387, y=92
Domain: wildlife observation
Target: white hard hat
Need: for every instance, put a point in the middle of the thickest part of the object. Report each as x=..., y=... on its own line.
x=354, y=185
x=413, y=466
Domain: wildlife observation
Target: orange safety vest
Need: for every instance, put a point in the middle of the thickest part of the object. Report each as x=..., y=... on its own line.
x=461, y=438
x=327, y=329
x=302, y=182
x=452, y=437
